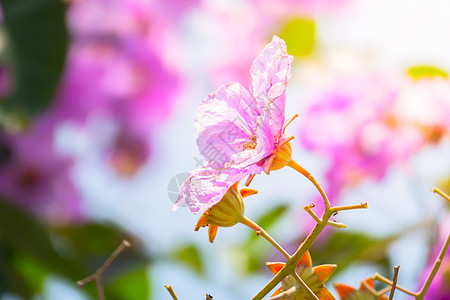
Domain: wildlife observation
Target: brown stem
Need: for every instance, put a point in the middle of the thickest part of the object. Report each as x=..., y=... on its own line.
x=441, y=193
x=98, y=275
x=394, y=282
x=388, y=282
x=291, y=263
x=171, y=292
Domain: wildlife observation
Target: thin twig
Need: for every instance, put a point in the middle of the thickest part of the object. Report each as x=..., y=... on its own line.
x=259, y=231
x=171, y=292
x=311, y=178
x=349, y=207
x=309, y=240
x=98, y=275
x=394, y=282
x=336, y=224
x=388, y=282
x=441, y=193
x=308, y=209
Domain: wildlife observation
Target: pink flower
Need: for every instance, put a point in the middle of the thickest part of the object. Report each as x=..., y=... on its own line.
x=353, y=125
x=34, y=177
x=240, y=131
x=116, y=71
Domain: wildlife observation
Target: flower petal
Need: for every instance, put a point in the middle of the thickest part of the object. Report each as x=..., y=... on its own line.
x=324, y=272
x=271, y=72
x=206, y=186
x=225, y=121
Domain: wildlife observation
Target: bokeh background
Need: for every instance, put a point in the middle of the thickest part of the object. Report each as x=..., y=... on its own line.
x=97, y=132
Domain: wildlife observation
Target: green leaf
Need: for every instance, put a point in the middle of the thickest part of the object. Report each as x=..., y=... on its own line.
x=190, y=256
x=418, y=72
x=299, y=35
x=267, y=220
x=90, y=244
x=133, y=285
x=256, y=248
x=20, y=231
x=345, y=248
x=89, y=238
x=10, y=279
x=30, y=270
x=36, y=44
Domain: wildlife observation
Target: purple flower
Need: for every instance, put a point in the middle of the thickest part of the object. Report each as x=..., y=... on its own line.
x=240, y=131
x=116, y=70
x=35, y=177
x=354, y=126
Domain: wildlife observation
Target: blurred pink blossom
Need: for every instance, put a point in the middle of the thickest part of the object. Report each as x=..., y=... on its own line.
x=425, y=104
x=353, y=125
x=35, y=177
x=115, y=69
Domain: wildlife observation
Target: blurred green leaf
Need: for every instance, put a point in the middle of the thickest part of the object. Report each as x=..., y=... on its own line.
x=10, y=280
x=190, y=256
x=91, y=238
x=22, y=232
x=299, y=35
x=30, y=270
x=90, y=244
x=267, y=220
x=36, y=44
x=133, y=285
x=256, y=248
x=27, y=253
x=345, y=248
x=418, y=72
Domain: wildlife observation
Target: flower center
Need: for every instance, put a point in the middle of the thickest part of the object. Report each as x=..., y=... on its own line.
x=251, y=144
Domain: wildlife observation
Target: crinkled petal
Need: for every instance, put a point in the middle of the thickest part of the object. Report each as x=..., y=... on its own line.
x=225, y=121
x=206, y=186
x=270, y=73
